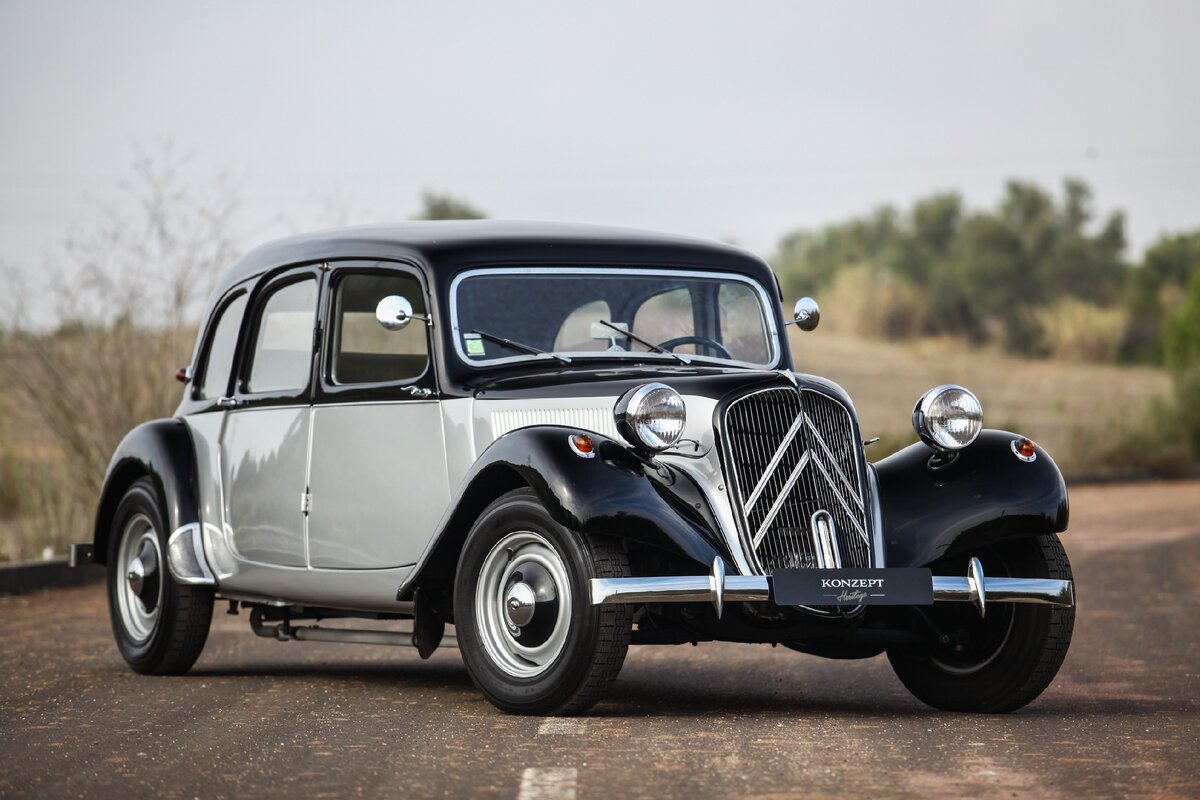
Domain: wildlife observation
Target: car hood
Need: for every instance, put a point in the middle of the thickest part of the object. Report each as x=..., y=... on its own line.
x=585, y=398
x=714, y=383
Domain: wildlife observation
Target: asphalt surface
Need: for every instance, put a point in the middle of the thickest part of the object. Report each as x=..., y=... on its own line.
x=257, y=718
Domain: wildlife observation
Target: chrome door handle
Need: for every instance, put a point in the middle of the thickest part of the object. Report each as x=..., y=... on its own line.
x=227, y=402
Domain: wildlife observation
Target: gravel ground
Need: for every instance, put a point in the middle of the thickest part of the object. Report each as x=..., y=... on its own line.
x=256, y=718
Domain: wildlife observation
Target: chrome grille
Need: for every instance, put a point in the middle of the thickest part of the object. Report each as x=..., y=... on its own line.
x=792, y=454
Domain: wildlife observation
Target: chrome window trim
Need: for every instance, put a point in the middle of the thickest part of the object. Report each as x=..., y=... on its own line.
x=662, y=272
x=328, y=303
x=248, y=338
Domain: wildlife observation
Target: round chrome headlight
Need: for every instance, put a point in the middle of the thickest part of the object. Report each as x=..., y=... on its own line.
x=651, y=416
x=948, y=417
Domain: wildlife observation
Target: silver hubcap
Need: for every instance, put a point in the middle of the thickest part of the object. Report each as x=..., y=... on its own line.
x=139, y=596
x=523, y=604
x=519, y=604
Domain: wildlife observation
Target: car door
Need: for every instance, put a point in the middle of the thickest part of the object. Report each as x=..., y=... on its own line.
x=377, y=470
x=265, y=438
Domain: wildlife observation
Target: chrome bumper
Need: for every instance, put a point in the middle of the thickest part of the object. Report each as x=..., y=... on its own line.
x=716, y=588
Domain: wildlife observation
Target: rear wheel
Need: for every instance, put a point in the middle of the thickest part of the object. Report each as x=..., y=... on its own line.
x=1000, y=662
x=160, y=625
x=531, y=639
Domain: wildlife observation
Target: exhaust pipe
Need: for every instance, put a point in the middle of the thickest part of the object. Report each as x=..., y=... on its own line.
x=286, y=632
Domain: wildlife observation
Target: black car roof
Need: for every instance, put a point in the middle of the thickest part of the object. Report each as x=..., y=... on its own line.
x=444, y=247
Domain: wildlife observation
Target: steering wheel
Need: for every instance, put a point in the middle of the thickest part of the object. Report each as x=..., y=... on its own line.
x=703, y=341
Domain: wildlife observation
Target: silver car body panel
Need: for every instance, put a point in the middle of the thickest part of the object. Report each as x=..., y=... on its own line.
x=377, y=483
x=377, y=504
x=264, y=455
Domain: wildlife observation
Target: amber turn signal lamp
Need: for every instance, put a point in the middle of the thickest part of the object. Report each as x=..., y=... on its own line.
x=1026, y=448
x=583, y=445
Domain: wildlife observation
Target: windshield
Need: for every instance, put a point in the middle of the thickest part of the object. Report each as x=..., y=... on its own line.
x=504, y=315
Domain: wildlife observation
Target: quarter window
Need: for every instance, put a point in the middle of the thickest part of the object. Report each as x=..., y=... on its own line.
x=219, y=360
x=363, y=350
x=283, y=348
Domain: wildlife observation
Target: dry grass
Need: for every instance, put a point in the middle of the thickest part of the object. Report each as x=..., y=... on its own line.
x=96, y=386
x=1074, y=330
x=874, y=303
x=1080, y=412
x=65, y=404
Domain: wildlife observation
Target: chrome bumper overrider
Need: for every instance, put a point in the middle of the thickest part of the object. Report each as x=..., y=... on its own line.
x=716, y=588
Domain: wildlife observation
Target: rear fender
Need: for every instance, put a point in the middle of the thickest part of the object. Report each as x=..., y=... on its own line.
x=163, y=451
x=985, y=495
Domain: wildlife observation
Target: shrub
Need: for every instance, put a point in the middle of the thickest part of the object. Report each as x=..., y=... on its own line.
x=1076, y=330
x=868, y=301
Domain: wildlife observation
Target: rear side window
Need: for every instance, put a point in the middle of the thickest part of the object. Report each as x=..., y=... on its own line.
x=363, y=350
x=219, y=361
x=283, y=348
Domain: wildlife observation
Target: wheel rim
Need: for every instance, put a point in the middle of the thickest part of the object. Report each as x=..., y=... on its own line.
x=523, y=604
x=139, y=578
x=991, y=634
x=956, y=666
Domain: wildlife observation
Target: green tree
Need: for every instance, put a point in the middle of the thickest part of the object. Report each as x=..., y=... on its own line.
x=984, y=274
x=1157, y=288
x=1181, y=346
x=808, y=260
x=936, y=223
x=436, y=205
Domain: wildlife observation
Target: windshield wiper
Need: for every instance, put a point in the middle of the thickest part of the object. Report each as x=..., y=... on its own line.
x=682, y=359
x=523, y=348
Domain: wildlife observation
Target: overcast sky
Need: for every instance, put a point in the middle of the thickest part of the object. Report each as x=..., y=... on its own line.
x=726, y=120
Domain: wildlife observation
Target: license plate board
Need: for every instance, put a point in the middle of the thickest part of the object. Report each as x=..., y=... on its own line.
x=852, y=587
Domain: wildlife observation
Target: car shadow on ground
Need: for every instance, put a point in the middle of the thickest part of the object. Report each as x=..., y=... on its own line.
x=419, y=674
x=654, y=699
x=641, y=697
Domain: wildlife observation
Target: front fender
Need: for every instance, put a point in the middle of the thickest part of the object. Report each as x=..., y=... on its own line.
x=614, y=494
x=985, y=495
x=163, y=450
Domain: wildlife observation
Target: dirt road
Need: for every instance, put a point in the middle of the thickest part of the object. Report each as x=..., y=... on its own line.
x=263, y=719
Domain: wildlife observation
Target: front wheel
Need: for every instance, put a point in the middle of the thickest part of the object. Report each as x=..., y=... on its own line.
x=160, y=625
x=1003, y=661
x=531, y=639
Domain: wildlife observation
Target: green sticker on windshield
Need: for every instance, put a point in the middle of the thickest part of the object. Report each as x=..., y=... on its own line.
x=474, y=343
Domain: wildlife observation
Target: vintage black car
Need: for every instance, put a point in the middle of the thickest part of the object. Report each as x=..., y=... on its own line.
x=563, y=440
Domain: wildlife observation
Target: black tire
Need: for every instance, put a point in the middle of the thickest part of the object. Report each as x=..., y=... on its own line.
x=596, y=637
x=1005, y=660
x=177, y=627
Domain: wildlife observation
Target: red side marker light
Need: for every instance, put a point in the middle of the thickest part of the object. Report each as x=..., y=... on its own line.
x=183, y=374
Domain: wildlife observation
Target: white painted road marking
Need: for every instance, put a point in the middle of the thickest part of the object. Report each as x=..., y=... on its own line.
x=548, y=783
x=562, y=726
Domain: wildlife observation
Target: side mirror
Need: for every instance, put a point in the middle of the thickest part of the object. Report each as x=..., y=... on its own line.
x=806, y=313
x=395, y=312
